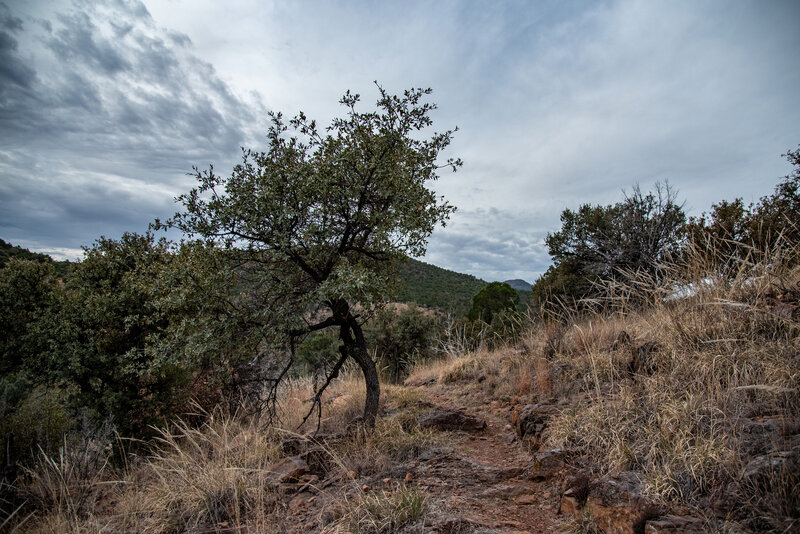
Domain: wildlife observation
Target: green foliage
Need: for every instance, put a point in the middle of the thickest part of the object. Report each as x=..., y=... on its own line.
x=29, y=294
x=319, y=350
x=38, y=417
x=400, y=337
x=604, y=242
x=317, y=222
x=107, y=316
x=731, y=229
x=491, y=300
x=428, y=285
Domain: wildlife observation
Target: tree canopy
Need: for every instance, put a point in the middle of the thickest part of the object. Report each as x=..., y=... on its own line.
x=315, y=224
x=491, y=300
x=603, y=242
x=732, y=230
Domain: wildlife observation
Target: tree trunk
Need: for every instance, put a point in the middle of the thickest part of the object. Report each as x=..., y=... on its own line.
x=353, y=338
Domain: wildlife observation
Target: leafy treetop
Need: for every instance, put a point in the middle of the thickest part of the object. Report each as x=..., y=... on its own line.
x=318, y=220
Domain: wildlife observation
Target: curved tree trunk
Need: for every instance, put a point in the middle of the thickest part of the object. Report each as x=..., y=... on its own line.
x=354, y=344
x=361, y=356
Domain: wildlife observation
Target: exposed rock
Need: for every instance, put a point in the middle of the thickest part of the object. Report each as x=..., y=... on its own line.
x=549, y=463
x=444, y=419
x=763, y=470
x=290, y=469
x=618, y=505
x=526, y=499
x=674, y=524
x=575, y=491
x=531, y=420
x=504, y=492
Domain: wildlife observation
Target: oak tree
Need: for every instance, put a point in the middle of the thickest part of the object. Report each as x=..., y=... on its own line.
x=315, y=224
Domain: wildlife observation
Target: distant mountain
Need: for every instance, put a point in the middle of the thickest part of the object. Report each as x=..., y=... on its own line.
x=432, y=286
x=8, y=251
x=519, y=285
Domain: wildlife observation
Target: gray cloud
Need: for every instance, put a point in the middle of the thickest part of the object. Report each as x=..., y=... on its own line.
x=105, y=106
x=101, y=119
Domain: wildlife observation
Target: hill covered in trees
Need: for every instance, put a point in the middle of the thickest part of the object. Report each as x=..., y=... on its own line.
x=432, y=286
x=8, y=251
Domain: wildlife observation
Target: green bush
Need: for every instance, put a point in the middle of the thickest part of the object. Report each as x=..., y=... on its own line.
x=401, y=337
x=493, y=299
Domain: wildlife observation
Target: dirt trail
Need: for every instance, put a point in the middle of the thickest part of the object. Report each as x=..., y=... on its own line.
x=483, y=483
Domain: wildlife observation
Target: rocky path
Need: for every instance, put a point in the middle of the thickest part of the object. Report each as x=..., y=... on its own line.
x=484, y=483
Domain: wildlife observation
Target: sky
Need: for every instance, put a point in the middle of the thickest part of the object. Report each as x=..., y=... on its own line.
x=105, y=107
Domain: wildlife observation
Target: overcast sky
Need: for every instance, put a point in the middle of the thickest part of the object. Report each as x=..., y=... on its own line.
x=106, y=106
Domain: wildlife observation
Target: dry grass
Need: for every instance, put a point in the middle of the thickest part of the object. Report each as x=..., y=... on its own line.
x=380, y=512
x=215, y=475
x=723, y=359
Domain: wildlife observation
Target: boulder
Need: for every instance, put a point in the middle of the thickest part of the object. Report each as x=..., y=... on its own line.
x=531, y=420
x=548, y=464
x=618, y=505
x=445, y=419
x=764, y=470
x=674, y=524
x=289, y=469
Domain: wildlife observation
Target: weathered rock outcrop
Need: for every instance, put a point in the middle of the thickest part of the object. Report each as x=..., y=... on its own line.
x=531, y=420
x=289, y=469
x=444, y=419
x=674, y=524
x=618, y=505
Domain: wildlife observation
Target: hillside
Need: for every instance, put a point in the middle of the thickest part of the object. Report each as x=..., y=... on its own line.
x=519, y=285
x=8, y=251
x=428, y=285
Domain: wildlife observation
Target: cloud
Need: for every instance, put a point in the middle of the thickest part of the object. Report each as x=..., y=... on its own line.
x=493, y=244
x=101, y=120
x=105, y=106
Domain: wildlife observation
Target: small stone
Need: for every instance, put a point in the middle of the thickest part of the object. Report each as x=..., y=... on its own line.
x=387, y=480
x=546, y=495
x=672, y=524
x=352, y=475
x=365, y=487
x=289, y=469
x=526, y=499
x=409, y=478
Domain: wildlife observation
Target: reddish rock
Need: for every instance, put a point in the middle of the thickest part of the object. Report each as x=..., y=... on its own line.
x=290, y=469
x=618, y=506
x=673, y=524
x=570, y=504
x=443, y=419
x=576, y=489
x=526, y=499
x=764, y=470
x=299, y=503
x=549, y=463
